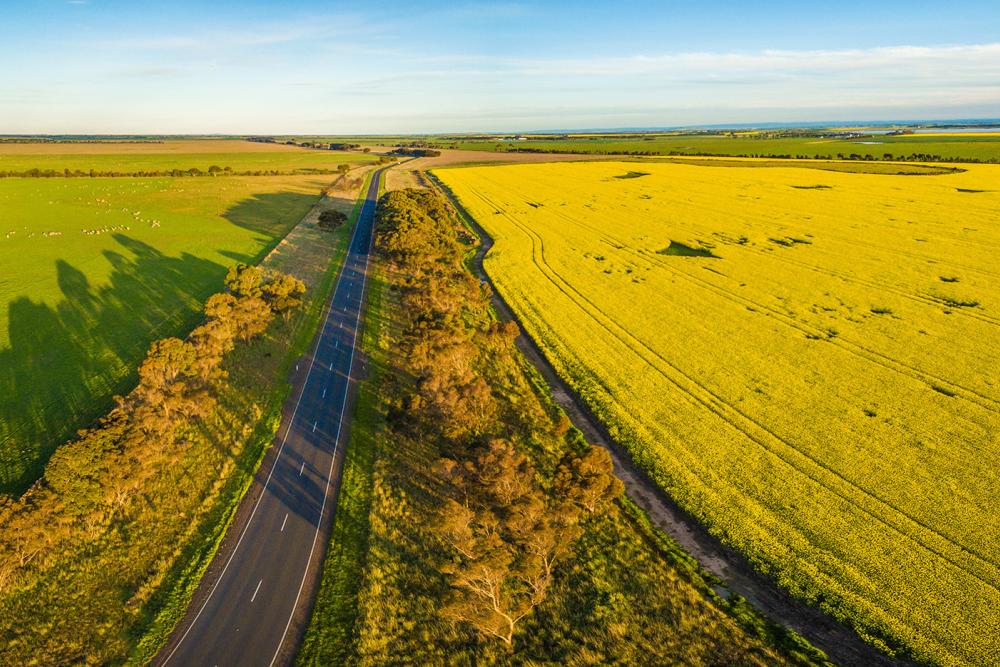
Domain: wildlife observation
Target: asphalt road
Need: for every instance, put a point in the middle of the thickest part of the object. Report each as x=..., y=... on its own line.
x=253, y=611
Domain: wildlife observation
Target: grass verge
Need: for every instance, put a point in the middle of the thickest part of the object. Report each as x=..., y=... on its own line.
x=200, y=551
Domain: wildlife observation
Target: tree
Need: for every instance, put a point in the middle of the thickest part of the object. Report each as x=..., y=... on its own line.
x=244, y=280
x=589, y=479
x=283, y=293
x=506, y=537
x=491, y=589
x=168, y=386
x=342, y=169
x=331, y=219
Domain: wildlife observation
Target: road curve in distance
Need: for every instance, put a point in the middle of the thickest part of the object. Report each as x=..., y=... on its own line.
x=252, y=609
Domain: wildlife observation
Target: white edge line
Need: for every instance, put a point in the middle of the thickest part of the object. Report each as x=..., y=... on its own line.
x=336, y=444
x=277, y=457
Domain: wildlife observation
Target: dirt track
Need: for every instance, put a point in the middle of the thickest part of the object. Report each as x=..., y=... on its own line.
x=409, y=174
x=839, y=642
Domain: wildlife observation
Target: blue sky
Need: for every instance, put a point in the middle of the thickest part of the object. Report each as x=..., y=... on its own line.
x=102, y=66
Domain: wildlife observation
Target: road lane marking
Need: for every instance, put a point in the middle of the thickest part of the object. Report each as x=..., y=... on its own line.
x=312, y=360
x=324, y=394
x=301, y=468
x=283, y=523
x=340, y=420
x=314, y=427
x=254, y=596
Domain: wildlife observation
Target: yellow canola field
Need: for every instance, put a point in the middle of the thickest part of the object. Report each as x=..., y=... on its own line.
x=805, y=360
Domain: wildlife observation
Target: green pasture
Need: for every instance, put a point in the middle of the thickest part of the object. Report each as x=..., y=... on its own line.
x=292, y=161
x=949, y=148
x=94, y=269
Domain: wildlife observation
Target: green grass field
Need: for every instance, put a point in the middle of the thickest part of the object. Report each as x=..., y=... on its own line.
x=982, y=147
x=240, y=156
x=951, y=147
x=97, y=268
x=109, y=585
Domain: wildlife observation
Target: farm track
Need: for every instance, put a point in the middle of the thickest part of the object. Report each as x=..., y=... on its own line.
x=700, y=395
x=740, y=577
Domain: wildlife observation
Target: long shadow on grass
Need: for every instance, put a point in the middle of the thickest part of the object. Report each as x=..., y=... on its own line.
x=65, y=363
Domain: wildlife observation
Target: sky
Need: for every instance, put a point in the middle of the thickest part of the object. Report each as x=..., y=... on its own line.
x=315, y=67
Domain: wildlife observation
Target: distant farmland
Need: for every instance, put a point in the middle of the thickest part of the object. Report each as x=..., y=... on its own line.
x=803, y=359
x=94, y=269
x=240, y=156
x=984, y=147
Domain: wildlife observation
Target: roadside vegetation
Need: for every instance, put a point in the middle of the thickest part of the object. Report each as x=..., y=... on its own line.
x=101, y=267
x=474, y=524
x=100, y=557
x=796, y=357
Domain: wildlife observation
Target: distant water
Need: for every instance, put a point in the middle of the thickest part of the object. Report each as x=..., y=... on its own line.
x=937, y=126
x=954, y=130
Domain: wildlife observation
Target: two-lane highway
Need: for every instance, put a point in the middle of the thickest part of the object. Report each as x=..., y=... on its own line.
x=252, y=611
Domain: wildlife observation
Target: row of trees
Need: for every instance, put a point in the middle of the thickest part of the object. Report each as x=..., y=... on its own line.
x=415, y=152
x=213, y=170
x=90, y=482
x=508, y=516
x=910, y=157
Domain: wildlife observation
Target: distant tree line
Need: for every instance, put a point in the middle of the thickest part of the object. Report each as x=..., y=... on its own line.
x=80, y=140
x=415, y=152
x=508, y=516
x=91, y=480
x=213, y=170
x=869, y=157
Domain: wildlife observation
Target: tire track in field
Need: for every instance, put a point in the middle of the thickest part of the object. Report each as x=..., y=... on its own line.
x=792, y=323
x=718, y=406
x=887, y=249
x=875, y=284
x=879, y=358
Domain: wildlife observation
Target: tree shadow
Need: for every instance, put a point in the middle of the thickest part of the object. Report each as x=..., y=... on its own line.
x=258, y=213
x=66, y=362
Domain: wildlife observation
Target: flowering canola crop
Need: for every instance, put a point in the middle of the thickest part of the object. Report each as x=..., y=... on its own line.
x=805, y=360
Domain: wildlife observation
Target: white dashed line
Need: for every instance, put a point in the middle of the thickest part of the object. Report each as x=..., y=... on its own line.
x=283, y=523
x=324, y=393
x=303, y=467
x=254, y=596
x=314, y=427
x=336, y=440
